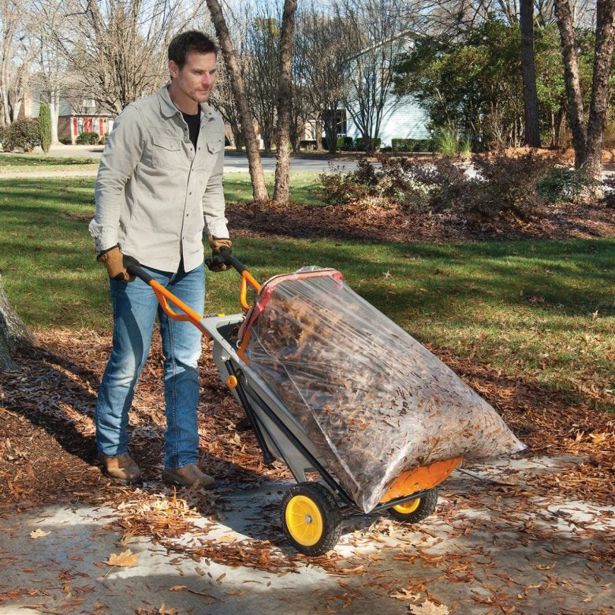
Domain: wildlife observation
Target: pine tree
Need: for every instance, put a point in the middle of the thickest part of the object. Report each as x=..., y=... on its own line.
x=44, y=126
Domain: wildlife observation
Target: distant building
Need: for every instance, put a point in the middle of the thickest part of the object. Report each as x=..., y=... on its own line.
x=403, y=118
x=86, y=117
x=73, y=118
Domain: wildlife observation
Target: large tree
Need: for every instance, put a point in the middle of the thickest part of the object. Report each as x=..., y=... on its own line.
x=118, y=47
x=587, y=133
x=17, y=50
x=528, y=66
x=282, y=167
x=321, y=61
x=231, y=61
x=373, y=46
x=262, y=58
x=52, y=80
x=13, y=332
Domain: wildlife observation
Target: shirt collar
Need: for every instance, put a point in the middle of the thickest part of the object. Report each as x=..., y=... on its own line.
x=168, y=108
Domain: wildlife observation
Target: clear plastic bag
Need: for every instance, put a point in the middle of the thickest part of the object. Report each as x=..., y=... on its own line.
x=374, y=400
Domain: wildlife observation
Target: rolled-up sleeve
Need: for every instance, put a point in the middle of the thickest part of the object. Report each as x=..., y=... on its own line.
x=120, y=157
x=213, y=201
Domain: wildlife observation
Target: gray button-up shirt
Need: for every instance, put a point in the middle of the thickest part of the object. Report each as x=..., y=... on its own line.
x=155, y=194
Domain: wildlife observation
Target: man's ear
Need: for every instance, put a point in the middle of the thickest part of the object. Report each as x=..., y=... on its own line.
x=173, y=69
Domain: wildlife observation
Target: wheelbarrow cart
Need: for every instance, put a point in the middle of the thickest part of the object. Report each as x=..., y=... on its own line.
x=312, y=511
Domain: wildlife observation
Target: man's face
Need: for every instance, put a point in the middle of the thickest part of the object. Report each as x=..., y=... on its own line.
x=197, y=77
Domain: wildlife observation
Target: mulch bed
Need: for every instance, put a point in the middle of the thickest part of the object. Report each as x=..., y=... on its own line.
x=47, y=450
x=374, y=219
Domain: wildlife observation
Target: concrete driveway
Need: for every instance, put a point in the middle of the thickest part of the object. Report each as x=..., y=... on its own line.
x=486, y=550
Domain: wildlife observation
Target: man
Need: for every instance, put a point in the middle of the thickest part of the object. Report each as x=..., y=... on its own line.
x=159, y=187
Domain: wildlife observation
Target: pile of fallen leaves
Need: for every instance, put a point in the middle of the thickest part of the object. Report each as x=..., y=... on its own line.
x=377, y=219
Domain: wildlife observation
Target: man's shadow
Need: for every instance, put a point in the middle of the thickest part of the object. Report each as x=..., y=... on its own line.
x=47, y=388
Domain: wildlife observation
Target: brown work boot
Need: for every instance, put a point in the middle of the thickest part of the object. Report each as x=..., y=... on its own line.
x=188, y=476
x=121, y=467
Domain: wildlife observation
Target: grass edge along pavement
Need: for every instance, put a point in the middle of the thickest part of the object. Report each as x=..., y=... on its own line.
x=543, y=309
x=22, y=163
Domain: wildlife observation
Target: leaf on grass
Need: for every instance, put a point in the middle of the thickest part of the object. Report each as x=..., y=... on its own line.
x=124, y=559
x=429, y=608
x=38, y=533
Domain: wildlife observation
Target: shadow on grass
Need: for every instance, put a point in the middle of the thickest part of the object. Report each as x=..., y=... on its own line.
x=564, y=278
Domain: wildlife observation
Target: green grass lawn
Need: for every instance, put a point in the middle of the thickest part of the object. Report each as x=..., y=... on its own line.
x=18, y=163
x=541, y=309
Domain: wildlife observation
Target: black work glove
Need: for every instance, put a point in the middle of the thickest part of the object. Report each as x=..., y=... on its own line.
x=217, y=246
x=113, y=260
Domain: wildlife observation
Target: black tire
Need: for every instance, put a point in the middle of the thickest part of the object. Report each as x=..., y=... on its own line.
x=323, y=535
x=427, y=505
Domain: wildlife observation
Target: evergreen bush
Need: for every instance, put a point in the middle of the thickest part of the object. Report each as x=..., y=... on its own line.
x=44, y=126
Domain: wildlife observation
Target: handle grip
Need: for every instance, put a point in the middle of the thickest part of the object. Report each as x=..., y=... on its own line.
x=225, y=257
x=133, y=266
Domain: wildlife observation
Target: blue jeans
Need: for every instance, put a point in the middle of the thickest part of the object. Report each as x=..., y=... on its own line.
x=135, y=308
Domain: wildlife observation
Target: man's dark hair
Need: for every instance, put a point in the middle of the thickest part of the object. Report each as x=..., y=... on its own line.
x=192, y=40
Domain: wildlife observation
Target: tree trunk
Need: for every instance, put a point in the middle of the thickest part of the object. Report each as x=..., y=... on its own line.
x=54, y=109
x=237, y=138
x=599, y=104
x=330, y=126
x=559, y=126
x=13, y=332
x=530, y=95
x=318, y=134
x=571, y=78
x=281, y=191
x=259, y=189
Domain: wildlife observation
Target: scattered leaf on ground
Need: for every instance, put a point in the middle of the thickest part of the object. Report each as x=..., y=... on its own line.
x=38, y=533
x=124, y=559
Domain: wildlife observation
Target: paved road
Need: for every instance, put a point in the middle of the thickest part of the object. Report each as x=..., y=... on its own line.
x=233, y=161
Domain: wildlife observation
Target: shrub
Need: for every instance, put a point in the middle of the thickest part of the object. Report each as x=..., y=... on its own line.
x=361, y=144
x=563, y=184
x=402, y=145
x=88, y=138
x=495, y=187
x=22, y=134
x=465, y=148
x=412, y=145
x=446, y=141
x=506, y=185
x=44, y=126
x=344, y=143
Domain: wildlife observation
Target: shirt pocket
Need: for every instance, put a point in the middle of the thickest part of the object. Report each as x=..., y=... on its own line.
x=215, y=145
x=166, y=151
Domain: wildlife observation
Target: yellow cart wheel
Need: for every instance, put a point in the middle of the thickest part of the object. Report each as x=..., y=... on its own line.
x=310, y=518
x=416, y=510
